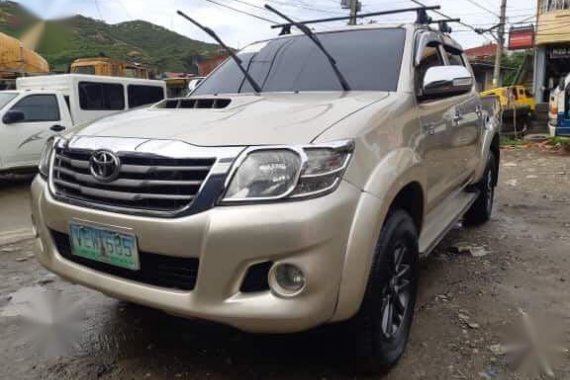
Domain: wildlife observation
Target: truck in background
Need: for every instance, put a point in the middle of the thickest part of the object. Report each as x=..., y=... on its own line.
x=18, y=61
x=110, y=67
x=43, y=106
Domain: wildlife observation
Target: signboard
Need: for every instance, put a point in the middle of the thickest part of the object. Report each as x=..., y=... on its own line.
x=559, y=52
x=521, y=38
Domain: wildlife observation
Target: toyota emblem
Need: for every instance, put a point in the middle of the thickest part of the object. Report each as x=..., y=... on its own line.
x=104, y=165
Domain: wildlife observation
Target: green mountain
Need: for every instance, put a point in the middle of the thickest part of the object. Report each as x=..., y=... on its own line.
x=14, y=19
x=81, y=37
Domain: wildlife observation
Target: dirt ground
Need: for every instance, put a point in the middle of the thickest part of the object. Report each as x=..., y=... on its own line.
x=467, y=312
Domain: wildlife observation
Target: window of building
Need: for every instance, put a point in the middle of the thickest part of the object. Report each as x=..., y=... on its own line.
x=141, y=95
x=101, y=96
x=38, y=108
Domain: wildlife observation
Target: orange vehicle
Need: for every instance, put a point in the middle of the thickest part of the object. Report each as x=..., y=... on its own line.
x=17, y=61
x=109, y=67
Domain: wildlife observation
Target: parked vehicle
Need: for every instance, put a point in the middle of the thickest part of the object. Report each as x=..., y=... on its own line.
x=553, y=111
x=275, y=199
x=518, y=108
x=110, y=67
x=517, y=97
x=18, y=61
x=44, y=106
x=559, y=109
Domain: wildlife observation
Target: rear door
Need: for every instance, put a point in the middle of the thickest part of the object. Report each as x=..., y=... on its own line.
x=22, y=142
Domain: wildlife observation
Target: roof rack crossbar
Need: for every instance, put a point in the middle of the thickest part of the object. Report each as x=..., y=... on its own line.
x=422, y=16
x=443, y=24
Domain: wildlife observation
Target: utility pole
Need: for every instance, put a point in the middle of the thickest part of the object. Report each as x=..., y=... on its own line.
x=353, y=12
x=500, y=45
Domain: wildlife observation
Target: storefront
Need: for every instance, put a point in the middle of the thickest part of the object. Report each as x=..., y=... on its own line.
x=552, y=39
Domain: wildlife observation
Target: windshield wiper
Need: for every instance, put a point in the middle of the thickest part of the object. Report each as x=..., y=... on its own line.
x=303, y=28
x=236, y=59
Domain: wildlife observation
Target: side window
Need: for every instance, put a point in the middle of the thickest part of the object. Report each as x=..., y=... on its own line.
x=101, y=96
x=140, y=95
x=431, y=57
x=454, y=57
x=38, y=108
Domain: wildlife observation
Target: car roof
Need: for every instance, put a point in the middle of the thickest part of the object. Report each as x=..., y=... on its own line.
x=446, y=39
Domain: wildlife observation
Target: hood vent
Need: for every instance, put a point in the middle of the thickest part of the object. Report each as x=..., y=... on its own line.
x=198, y=103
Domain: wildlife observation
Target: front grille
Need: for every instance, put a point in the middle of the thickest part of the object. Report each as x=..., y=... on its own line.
x=164, y=271
x=145, y=182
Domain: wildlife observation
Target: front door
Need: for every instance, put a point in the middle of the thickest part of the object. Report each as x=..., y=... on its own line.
x=436, y=118
x=22, y=142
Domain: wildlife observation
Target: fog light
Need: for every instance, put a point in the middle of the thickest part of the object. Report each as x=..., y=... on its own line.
x=287, y=279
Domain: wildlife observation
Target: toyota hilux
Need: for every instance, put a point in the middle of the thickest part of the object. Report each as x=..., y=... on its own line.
x=297, y=186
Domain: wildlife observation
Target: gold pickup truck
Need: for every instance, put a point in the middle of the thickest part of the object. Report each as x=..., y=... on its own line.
x=297, y=186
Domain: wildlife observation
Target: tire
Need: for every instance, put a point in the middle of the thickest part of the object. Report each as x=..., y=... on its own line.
x=482, y=210
x=392, y=285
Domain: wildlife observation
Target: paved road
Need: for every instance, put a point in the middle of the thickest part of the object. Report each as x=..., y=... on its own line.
x=466, y=306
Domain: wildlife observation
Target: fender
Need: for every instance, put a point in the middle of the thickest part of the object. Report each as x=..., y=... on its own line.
x=398, y=169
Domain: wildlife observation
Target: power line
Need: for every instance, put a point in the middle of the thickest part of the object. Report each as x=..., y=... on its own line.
x=482, y=7
x=301, y=5
x=444, y=15
x=99, y=10
x=125, y=9
x=243, y=12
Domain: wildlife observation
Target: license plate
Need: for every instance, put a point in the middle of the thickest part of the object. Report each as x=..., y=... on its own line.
x=105, y=246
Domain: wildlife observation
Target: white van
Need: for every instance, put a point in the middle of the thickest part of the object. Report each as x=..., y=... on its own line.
x=46, y=105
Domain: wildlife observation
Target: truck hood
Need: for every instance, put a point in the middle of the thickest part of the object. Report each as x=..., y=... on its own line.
x=246, y=120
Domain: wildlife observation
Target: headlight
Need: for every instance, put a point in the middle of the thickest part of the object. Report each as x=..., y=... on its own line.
x=263, y=174
x=43, y=166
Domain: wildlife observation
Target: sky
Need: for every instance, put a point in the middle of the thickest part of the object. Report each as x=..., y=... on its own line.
x=238, y=30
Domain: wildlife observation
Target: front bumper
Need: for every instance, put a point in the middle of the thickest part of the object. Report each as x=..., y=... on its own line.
x=312, y=234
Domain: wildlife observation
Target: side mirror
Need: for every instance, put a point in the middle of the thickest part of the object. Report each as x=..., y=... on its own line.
x=442, y=81
x=13, y=116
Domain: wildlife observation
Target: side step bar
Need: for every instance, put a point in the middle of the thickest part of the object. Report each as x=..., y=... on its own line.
x=442, y=219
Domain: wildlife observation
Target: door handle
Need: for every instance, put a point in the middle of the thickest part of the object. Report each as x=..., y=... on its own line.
x=57, y=128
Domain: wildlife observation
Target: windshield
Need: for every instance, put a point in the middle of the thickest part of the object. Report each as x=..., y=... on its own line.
x=5, y=98
x=370, y=60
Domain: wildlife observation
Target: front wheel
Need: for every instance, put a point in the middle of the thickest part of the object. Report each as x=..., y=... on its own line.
x=382, y=326
x=481, y=211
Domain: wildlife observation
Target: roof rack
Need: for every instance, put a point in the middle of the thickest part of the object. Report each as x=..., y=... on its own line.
x=443, y=24
x=422, y=17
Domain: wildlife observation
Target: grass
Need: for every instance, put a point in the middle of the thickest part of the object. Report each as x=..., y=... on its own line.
x=508, y=141
x=562, y=142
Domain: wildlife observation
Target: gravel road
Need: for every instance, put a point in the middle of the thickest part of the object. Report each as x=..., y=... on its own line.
x=472, y=291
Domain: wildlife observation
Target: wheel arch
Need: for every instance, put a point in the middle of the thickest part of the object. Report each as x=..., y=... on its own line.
x=372, y=211
x=411, y=199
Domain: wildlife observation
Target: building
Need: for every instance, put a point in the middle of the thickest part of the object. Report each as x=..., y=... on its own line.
x=552, y=40
x=207, y=65
x=482, y=59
